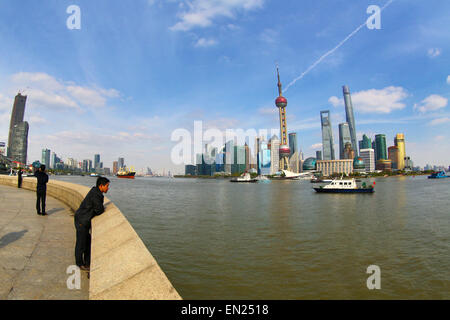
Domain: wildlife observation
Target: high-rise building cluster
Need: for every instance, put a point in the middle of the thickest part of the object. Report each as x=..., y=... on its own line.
x=18, y=132
x=367, y=155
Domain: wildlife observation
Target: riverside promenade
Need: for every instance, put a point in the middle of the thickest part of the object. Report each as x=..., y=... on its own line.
x=35, y=251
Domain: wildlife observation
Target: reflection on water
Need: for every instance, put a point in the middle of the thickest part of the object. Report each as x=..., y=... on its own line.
x=281, y=240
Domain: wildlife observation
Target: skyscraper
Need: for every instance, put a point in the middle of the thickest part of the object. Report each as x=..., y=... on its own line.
x=365, y=143
x=19, y=142
x=399, y=141
x=368, y=157
x=318, y=155
x=18, y=131
x=274, y=155
x=17, y=116
x=46, y=157
x=380, y=142
x=115, y=167
x=264, y=158
x=350, y=117
x=327, y=136
x=96, y=161
x=281, y=103
x=393, y=156
x=121, y=163
x=293, y=146
x=344, y=138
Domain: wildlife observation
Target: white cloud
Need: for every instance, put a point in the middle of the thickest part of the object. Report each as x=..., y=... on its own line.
x=375, y=101
x=202, y=13
x=431, y=103
x=44, y=90
x=316, y=146
x=336, y=102
x=448, y=79
x=439, y=121
x=202, y=42
x=434, y=52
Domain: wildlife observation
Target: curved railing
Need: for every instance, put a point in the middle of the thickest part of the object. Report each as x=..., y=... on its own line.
x=121, y=265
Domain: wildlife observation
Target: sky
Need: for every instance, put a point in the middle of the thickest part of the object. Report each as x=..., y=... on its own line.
x=138, y=70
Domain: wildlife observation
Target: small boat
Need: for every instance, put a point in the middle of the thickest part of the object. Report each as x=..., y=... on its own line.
x=345, y=186
x=262, y=178
x=94, y=175
x=245, y=177
x=438, y=175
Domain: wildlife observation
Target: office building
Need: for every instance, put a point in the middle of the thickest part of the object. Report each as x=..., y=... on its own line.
x=115, y=167
x=293, y=144
x=327, y=136
x=45, y=159
x=399, y=142
x=365, y=143
x=19, y=143
x=264, y=155
x=350, y=117
x=380, y=142
x=344, y=138
x=97, y=161
x=229, y=156
x=17, y=116
x=329, y=167
x=121, y=163
x=368, y=156
x=274, y=144
x=393, y=156
x=348, y=152
x=383, y=165
x=319, y=155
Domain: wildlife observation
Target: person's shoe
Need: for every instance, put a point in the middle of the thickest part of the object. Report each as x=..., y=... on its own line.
x=44, y=214
x=85, y=268
x=38, y=213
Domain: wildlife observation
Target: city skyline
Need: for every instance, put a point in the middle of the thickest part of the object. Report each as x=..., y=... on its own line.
x=131, y=109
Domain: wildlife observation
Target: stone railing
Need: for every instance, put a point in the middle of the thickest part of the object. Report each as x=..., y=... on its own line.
x=121, y=265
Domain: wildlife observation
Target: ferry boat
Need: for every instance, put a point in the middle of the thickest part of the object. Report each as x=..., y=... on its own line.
x=245, y=177
x=438, y=175
x=125, y=173
x=345, y=186
x=94, y=175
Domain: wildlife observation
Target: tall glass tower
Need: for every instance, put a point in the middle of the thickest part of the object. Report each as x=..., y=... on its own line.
x=350, y=117
x=327, y=136
x=17, y=115
x=380, y=143
x=344, y=138
x=293, y=146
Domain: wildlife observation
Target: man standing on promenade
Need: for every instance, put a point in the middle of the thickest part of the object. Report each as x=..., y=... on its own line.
x=19, y=178
x=41, y=189
x=91, y=206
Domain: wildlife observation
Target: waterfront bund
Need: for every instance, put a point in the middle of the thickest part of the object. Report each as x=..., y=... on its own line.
x=280, y=240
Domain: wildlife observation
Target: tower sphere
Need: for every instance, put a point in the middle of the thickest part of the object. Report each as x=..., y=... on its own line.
x=284, y=150
x=281, y=102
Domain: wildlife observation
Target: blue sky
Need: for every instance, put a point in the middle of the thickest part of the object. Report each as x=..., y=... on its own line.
x=137, y=70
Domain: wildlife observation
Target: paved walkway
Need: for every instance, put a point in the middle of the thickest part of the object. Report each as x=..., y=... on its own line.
x=35, y=251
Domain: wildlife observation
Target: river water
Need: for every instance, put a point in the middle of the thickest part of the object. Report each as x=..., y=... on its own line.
x=280, y=240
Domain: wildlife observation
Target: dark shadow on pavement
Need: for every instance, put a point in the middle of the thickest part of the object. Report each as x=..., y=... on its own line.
x=11, y=237
x=54, y=210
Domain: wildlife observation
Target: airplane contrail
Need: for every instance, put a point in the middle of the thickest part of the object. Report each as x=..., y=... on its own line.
x=332, y=50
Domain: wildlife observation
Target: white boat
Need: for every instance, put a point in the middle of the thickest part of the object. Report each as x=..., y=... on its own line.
x=345, y=186
x=245, y=177
x=262, y=178
x=94, y=175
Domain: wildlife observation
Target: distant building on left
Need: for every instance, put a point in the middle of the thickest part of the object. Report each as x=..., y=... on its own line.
x=18, y=131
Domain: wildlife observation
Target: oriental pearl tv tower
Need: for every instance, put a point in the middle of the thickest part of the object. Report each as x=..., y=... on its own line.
x=281, y=103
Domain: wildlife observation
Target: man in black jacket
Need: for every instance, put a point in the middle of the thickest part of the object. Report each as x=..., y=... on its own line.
x=19, y=177
x=91, y=206
x=41, y=189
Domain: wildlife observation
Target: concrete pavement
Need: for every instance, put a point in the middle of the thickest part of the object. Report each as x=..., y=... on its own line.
x=35, y=251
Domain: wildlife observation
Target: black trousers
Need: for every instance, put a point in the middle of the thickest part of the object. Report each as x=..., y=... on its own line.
x=82, y=245
x=19, y=183
x=40, y=201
